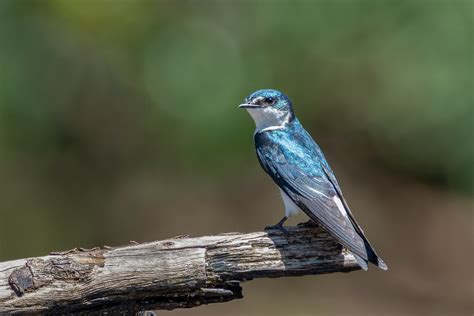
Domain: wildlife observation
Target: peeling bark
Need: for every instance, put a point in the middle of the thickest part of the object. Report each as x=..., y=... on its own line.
x=168, y=274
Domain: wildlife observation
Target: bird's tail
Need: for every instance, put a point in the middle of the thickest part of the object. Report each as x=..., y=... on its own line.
x=372, y=257
x=362, y=263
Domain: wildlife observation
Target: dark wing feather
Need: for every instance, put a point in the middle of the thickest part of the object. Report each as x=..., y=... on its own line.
x=371, y=254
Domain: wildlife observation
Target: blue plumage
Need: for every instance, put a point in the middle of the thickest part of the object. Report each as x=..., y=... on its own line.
x=296, y=145
x=297, y=165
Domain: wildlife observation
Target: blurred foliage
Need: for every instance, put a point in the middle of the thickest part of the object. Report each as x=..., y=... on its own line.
x=130, y=78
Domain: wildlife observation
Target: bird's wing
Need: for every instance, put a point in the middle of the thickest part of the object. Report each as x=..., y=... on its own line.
x=312, y=191
x=371, y=253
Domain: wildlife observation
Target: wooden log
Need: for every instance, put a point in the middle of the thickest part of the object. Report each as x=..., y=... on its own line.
x=180, y=272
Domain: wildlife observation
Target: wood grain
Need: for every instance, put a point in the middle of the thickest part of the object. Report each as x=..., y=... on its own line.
x=168, y=274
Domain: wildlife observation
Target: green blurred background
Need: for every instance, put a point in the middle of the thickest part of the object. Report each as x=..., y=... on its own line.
x=119, y=122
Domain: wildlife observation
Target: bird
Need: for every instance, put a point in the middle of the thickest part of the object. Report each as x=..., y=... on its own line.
x=290, y=156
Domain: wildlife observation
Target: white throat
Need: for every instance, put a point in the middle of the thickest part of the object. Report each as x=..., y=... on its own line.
x=268, y=118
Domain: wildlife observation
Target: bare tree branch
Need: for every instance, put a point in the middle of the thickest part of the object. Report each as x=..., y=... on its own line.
x=168, y=274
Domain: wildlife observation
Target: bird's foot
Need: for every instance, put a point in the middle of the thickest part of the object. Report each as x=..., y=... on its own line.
x=279, y=226
x=308, y=223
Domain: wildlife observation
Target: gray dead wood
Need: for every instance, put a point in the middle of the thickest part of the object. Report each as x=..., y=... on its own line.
x=168, y=274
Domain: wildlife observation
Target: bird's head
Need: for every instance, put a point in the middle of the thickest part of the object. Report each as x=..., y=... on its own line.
x=268, y=108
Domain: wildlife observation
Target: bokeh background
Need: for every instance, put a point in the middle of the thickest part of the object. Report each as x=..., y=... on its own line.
x=119, y=122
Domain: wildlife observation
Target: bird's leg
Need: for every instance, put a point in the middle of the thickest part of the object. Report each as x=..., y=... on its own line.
x=279, y=225
x=308, y=223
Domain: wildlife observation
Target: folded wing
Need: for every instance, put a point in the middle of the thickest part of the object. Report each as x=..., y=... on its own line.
x=305, y=180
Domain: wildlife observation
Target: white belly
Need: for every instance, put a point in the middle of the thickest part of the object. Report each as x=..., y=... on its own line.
x=290, y=207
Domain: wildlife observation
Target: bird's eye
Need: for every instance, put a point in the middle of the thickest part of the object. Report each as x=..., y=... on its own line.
x=270, y=100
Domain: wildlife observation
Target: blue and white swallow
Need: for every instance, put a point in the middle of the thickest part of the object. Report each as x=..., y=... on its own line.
x=295, y=162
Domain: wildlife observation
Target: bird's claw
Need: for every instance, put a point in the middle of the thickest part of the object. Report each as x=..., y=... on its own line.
x=278, y=227
x=308, y=223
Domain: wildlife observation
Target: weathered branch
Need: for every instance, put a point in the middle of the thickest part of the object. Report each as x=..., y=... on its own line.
x=174, y=273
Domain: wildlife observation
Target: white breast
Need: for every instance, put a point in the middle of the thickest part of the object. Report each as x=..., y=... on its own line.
x=290, y=207
x=268, y=118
